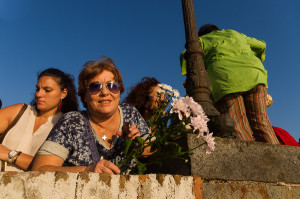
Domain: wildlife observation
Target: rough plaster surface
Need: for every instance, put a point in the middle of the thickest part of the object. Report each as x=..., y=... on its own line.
x=236, y=169
x=83, y=185
x=245, y=161
x=249, y=190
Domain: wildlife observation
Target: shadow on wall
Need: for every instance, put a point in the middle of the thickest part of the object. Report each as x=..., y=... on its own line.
x=0, y=103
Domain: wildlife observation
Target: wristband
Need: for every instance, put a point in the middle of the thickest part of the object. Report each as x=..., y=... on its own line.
x=16, y=157
x=11, y=155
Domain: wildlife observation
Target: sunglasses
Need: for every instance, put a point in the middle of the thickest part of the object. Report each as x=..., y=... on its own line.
x=96, y=87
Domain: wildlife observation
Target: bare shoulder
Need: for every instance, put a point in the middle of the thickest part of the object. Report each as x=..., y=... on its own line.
x=12, y=110
x=8, y=114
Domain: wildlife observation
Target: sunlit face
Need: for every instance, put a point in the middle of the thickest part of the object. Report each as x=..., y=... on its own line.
x=104, y=102
x=48, y=94
x=155, y=98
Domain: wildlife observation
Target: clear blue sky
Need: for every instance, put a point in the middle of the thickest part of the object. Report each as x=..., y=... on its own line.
x=144, y=38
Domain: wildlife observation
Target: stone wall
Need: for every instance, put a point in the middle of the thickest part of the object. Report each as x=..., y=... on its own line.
x=249, y=190
x=236, y=160
x=236, y=169
x=50, y=185
x=44, y=185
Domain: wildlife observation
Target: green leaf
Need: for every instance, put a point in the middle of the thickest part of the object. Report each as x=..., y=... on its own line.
x=141, y=168
x=127, y=144
x=139, y=140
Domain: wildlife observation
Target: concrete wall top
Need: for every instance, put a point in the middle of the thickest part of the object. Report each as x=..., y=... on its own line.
x=246, y=161
x=44, y=185
x=52, y=185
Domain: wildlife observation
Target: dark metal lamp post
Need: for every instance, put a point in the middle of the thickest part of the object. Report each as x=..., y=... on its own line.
x=197, y=82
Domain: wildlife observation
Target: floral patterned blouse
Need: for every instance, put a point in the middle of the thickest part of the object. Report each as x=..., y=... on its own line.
x=70, y=140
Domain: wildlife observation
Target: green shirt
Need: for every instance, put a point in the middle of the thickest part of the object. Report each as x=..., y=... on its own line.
x=233, y=62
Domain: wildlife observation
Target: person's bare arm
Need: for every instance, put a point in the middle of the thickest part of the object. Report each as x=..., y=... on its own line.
x=23, y=161
x=54, y=163
x=7, y=115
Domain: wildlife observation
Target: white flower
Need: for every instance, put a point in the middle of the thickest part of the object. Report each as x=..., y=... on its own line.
x=169, y=93
x=165, y=86
x=160, y=85
x=176, y=93
x=159, y=91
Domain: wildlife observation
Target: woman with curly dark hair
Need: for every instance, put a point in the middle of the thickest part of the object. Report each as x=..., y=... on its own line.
x=24, y=128
x=143, y=96
x=64, y=80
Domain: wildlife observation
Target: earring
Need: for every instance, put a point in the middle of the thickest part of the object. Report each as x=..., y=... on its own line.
x=60, y=104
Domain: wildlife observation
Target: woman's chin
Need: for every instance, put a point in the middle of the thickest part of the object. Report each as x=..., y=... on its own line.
x=106, y=110
x=42, y=108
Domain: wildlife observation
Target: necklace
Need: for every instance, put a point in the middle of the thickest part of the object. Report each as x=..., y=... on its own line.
x=103, y=137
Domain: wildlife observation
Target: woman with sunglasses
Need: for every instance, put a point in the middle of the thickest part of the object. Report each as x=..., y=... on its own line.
x=55, y=94
x=92, y=140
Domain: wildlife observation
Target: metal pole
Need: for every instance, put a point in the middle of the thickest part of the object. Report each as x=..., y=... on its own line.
x=197, y=82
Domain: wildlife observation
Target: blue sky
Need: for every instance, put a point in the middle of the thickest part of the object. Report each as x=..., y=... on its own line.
x=144, y=38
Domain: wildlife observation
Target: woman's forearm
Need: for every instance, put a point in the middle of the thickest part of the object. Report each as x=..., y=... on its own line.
x=51, y=168
x=24, y=161
x=54, y=163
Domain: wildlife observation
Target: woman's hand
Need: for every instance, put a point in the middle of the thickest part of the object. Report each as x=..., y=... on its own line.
x=104, y=166
x=4, y=152
x=129, y=131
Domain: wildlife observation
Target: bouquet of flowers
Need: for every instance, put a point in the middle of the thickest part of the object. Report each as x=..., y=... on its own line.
x=173, y=116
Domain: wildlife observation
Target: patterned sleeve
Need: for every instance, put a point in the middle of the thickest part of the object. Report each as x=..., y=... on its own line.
x=61, y=139
x=132, y=116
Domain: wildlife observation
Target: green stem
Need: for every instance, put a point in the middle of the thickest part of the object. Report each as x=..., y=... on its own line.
x=197, y=146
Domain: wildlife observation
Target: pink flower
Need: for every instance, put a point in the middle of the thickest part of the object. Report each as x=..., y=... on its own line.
x=199, y=123
x=188, y=127
x=180, y=106
x=195, y=107
x=210, y=142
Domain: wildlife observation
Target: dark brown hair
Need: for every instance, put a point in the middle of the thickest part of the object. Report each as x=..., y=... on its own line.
x=207, y=28
x=139, y=95
x=65, y=81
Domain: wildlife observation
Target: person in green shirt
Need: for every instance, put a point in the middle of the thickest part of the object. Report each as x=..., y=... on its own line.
x=238, y=80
